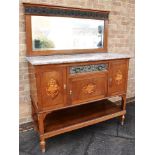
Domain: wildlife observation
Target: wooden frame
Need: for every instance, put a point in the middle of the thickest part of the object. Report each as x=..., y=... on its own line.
x=31, y=9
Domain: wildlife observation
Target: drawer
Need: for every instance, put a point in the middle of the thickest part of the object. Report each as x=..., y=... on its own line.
x=87, y=88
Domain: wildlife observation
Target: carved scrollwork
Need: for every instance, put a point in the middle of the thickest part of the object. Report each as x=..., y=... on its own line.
x=52, y=88
x=89, y=89
x=119, y=77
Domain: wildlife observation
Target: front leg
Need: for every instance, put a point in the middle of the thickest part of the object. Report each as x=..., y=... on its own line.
x=41, y=118
x=123, y=108
x=42, y=144
x=122, y=120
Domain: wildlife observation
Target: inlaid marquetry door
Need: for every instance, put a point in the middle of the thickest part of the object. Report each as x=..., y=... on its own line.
x=118, y=74
x=53, y=87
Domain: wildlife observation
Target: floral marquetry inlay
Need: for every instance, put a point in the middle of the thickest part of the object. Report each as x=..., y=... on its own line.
x=52, y=88
x=119, y=77
x=89, y=89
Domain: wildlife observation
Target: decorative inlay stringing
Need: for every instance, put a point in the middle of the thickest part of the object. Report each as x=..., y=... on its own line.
x=88, y=68
x=52, y=88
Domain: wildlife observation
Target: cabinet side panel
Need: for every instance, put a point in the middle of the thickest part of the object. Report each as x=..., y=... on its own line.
x=33, y=86
x=127, y=71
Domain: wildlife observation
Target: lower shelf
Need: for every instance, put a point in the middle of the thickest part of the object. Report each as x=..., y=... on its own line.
x=70, y=119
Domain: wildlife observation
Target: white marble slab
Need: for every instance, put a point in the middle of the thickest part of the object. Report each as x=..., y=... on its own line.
x=71, y=58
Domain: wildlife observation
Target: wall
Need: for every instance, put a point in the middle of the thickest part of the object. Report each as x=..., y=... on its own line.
x=121, y=40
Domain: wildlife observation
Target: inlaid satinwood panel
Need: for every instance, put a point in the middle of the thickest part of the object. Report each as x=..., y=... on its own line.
x=88, y=87
x=53, y=90
x=117, y=81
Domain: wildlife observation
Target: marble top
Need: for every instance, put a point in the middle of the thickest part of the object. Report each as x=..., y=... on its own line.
x=71, y=58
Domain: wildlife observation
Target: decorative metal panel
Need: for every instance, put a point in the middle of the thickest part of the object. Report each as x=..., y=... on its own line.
x=65, y=12
x=88, y=68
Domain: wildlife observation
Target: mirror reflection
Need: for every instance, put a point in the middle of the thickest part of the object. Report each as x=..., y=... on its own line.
x=57, y=33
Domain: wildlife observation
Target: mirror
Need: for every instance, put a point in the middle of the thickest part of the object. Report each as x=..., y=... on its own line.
x=60, y=33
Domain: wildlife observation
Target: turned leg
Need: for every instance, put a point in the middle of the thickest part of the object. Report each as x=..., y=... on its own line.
x=34, y=118
x=123, y=108
x=41, y=131
x=122, y=119
x=34, y=127
x=42, y=144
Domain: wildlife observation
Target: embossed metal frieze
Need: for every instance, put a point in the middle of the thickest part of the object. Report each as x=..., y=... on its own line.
x=65, y=12
x=88, y=68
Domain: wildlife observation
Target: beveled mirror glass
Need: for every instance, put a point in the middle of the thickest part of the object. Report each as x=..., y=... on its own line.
x=61, y=33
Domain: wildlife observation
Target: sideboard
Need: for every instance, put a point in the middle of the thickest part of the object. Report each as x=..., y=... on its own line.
x=63, y=86
x=72, y=75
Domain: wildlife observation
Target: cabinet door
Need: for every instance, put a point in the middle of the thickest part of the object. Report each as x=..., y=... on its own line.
x=53, y=85
x=88, y=88
x=118, y=73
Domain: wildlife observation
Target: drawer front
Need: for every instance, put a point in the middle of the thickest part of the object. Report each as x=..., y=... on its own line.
x=88, y=88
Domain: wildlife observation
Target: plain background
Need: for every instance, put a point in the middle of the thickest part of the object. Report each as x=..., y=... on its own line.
x=145, y=77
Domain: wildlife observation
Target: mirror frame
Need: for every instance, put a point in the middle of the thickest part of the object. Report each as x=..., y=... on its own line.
x=59, y=11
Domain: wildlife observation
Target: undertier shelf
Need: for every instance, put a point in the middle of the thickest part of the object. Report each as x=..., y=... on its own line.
x=77, y=117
